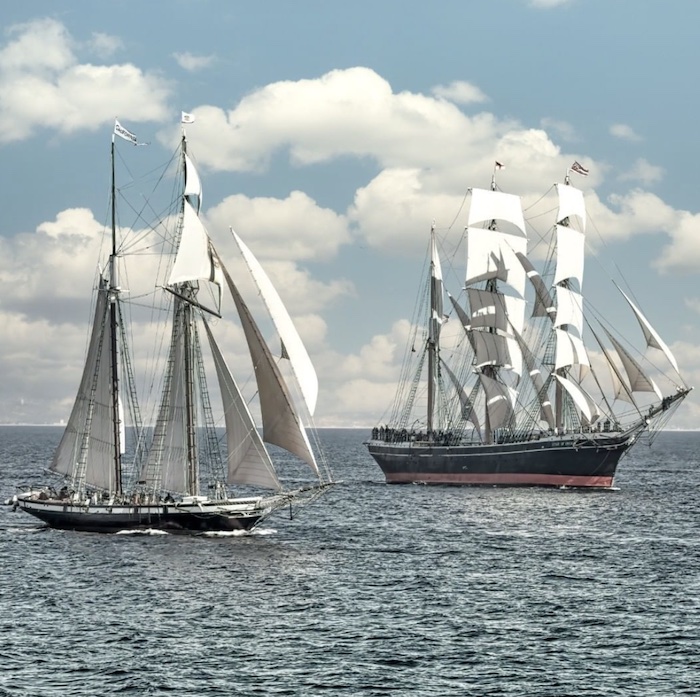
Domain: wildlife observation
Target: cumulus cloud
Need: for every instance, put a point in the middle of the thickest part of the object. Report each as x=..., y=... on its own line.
x=460, y=92
x=105, y=45
x=643, y=171
x=44, y=85
x=425, y=153
x=624, y=132
x=562, y=129
x=351, y=112
x=294, y=228
x=546, y=4
x=191, y=63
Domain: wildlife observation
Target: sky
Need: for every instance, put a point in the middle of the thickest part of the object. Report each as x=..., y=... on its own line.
x=331, y=136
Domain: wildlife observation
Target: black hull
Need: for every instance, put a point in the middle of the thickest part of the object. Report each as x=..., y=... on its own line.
x=587, y=463
x=168, y=518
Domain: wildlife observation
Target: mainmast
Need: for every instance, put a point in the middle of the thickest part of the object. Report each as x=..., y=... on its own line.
x=192, y=476
x=436, y=298
x=113, y=328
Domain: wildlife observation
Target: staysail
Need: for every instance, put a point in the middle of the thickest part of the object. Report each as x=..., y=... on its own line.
x=281, y=423
x=296, y=351
x=248, y=462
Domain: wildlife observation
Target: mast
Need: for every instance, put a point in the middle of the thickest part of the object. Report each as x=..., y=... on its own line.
x=192, y=475
x=490, y=371
x=434, y=328
x=113, y=328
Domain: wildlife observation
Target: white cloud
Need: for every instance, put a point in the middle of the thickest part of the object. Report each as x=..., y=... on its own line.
x=460, y=92
x=643, y=171
x=624, y=132
x=344, y=112
x=105, y=45
x=293, y=228
x=561, y=128
x=191, y=63
x=43, y=85
x=546, y=4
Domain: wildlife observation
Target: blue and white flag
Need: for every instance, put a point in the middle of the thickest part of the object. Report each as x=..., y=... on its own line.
x=187, y=118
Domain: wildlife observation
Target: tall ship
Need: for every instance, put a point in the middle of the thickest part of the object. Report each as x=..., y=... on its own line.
x=197, y=460
x=516, y=379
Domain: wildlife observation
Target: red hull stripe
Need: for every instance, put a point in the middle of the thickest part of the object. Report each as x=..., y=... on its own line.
x=501, y=479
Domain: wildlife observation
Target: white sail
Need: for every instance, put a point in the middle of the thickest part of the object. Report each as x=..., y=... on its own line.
x=166, y=466
x=650, y=334
x=589, y=409
x=570, y=254
x=88, y=441
x=281, y=423
x=436, y=291
x=488, y=309
x=193, y=185
x=296, y=351
x=544, y=305
x=499, y=405
x=195, y=260
x=639, y=381
x=569, y=309
x=248, y=461
x=492, y=254
x=515, y=356
x=571, y=204
x=546, y=413
x=515, y=308
x=484, y=259
x=490, y=349
x=461, y=313
x=487, y=205
x=468, y=411
x=570, y=350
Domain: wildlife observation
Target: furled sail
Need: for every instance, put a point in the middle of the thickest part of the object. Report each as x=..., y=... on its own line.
x=281, y=423
x=248, y=460
x=296, y=351
x=88, y=441
x=651, y=336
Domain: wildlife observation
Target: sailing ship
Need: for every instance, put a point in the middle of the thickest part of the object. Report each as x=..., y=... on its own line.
x=181, y=471
x=504, y=388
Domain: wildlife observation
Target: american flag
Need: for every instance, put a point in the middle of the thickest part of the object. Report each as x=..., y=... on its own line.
x=579, y=169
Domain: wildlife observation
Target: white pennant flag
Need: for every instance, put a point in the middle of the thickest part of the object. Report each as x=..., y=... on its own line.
x=122, y=132
x=187, y=118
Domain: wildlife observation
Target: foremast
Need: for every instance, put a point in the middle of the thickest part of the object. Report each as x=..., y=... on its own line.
x=114, y=328
x=495, y=236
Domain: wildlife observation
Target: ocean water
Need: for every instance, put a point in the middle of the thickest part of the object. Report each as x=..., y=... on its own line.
x=371, y=590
